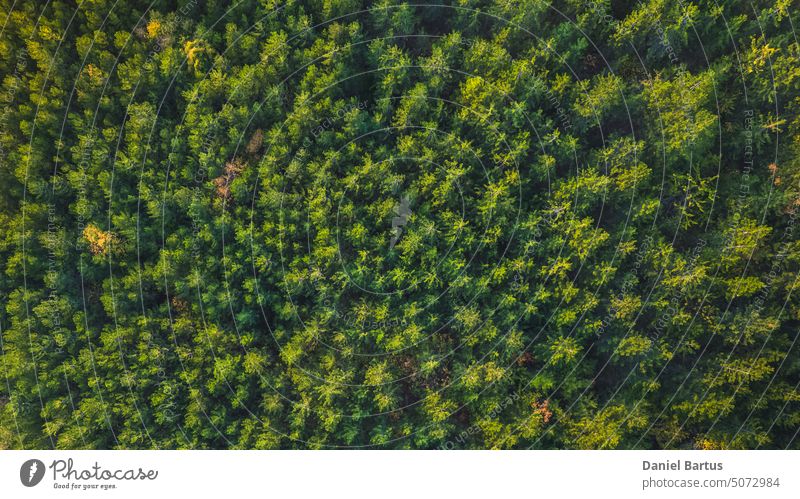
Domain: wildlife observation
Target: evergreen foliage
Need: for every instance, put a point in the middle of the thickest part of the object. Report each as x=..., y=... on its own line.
x=339, y=223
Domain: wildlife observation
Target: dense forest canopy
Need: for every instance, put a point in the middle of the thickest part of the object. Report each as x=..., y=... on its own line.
x=340, y=223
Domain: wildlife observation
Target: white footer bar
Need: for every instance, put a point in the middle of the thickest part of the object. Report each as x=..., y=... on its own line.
x=400, y=474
